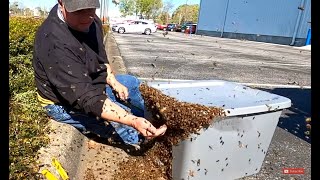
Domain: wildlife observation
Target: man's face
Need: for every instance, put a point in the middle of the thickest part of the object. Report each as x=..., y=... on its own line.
x=79, y=20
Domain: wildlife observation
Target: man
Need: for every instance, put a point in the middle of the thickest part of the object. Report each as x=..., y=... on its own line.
x=75, y=82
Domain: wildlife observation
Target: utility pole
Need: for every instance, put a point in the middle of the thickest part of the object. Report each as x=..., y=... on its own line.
x=101, y=9
x=104, y=11
x=185, y=11
x=107, y=10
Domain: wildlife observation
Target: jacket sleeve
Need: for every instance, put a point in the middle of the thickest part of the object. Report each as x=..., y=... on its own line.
x=70, y=78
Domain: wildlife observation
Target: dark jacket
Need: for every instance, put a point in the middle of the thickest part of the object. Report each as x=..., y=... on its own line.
x=69, y=70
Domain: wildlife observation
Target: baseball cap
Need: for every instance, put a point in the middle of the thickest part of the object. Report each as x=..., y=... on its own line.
x=75, y=5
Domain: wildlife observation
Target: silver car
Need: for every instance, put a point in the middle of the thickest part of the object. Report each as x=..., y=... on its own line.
x=138, y=26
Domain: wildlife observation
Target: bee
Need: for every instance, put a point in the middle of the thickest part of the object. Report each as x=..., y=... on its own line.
x=198, y=162
x=205, y=171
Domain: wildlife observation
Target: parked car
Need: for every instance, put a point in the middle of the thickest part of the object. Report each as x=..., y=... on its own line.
x=161, y=26
x=139, y=26
x=185, y=25
x=121, y=22
x=171, y=27
x=192, y=28
x=178, y=28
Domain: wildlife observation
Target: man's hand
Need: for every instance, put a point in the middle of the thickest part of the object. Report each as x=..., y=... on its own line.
x=147, y=129
x=121, y=90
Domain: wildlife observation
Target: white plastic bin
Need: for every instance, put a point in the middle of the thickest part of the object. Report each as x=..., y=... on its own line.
x=234, y=146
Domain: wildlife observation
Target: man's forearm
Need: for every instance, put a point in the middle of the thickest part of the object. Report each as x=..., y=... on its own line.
x=113, y=112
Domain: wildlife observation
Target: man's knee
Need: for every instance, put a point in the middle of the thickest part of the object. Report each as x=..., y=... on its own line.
x=130, y=79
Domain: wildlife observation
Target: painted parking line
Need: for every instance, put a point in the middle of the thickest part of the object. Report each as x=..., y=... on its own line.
x=276, y=85
x=245, y=84
x=205, y=59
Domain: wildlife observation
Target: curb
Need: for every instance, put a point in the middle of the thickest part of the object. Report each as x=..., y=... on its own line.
x=65, y=145
x=307, y=48
x=114, y=56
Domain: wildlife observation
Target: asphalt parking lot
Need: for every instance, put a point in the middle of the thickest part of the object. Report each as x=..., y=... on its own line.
x=280, y=69
x=181, y=56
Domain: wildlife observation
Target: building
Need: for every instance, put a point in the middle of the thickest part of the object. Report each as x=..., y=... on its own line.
x=273, y=21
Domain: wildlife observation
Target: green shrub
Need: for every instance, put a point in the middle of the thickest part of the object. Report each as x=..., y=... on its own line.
x=27, y=118
x=21, y=76
x=21, y=34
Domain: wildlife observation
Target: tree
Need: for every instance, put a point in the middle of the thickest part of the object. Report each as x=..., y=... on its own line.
x=116, y=2
x=28, y=12
x=127, y=7
x=15, y=8
x=163, y=18
x=165, y=15
x=42, y=12
x=185, y=13
x=149, y=8
x=144, y=8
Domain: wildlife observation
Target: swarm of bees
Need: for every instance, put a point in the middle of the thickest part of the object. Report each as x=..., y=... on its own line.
x=181, y=118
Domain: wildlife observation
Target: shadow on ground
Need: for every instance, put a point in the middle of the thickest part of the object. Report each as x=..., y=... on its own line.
x=294, y=119
x=115, y=141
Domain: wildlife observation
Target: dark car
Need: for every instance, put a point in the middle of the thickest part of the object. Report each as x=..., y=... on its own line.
x=171, y=27
x=178, y=28
x=192, y=28
x=185, y=25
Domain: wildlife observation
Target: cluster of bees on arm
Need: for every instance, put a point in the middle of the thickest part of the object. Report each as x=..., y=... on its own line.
x=182, y=120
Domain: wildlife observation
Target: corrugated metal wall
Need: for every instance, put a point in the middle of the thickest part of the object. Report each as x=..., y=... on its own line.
x=306, y=17
x=211, y=15
x=259, y=17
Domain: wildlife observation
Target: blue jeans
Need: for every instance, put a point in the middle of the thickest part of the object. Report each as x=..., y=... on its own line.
x=87, y=123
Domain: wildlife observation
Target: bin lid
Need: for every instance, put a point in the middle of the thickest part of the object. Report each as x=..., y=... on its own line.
x=234, y=98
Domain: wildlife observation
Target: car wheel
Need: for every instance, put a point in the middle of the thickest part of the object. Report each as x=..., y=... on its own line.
x=164, y=29
x=147, y=31
x=121, y=30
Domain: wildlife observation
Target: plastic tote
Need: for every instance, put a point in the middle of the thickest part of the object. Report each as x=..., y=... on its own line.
x=233, y=146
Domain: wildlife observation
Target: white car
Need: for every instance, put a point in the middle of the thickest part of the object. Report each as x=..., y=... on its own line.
x=138, y=26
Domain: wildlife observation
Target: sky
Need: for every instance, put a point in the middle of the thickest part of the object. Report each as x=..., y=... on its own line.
x=113, y=9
